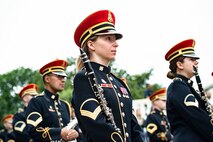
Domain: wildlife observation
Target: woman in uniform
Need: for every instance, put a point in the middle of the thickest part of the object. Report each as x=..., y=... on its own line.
x=186, y=111
x=102, y=101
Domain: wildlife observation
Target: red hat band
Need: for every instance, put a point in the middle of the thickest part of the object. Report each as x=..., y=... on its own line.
x=56, y=67
x=8, y=117
x=95, y=29
x=159, y=94
x=183, y=51
x=52, y=69
x=98, y=23
x=184, y=48
x=31, y=89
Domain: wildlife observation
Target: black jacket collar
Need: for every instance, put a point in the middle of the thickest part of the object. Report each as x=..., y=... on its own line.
x=185, y=79
x=101, y=68
x=50, y=96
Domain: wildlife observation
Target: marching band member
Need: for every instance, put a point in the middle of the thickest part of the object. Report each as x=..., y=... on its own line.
x=19, y=119
x=48, y=115
x=186, y=109
x=102, y=101
x=157, y=125
x=7, y=134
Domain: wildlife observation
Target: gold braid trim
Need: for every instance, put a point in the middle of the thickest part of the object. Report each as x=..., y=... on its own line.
x=69, y=106
x=114, y=134
x=45, y=132
x=162, y=136
x=10, y=140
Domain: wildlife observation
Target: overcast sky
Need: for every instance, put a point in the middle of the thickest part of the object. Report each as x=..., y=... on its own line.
x=35, y=32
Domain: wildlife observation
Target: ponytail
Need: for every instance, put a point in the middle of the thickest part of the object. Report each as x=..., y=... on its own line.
x=79, y=62
x=173, y=67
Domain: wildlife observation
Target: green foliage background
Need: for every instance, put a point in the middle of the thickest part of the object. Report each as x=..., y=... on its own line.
x=12, y=82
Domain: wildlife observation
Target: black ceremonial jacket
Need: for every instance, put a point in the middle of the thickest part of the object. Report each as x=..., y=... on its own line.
x=157, y=127
x=46, y=115
x=6, y=136
x=92, y=120
x=187, y=113
x=19, y=127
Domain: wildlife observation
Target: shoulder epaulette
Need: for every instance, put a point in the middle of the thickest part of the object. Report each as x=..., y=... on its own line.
x=64, y=101
x=152, y=112
x=39, y=95
x=177, y=79
x=2, y=130
x=20, y=110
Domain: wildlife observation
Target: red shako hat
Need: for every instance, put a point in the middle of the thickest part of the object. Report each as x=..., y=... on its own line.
x=56, y=67
x=159, y=94
x=184, y=48
x=101, y=22
x=8, y=117
x=31, y=89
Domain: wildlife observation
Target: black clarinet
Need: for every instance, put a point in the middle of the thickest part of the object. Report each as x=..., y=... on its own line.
x=98, y=90
x=203, y=96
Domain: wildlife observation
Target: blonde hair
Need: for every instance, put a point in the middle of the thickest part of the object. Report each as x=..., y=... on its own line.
x=79, y=63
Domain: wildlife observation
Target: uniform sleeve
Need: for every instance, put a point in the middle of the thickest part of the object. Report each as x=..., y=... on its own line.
x=137, y=132
x=188, y=108
x=34, y=122
x=19, y=128
x=3, y=136
x=88, y=111
x=155, y=131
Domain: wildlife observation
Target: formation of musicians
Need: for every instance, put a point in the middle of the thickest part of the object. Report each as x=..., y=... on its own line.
x=101, y=108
